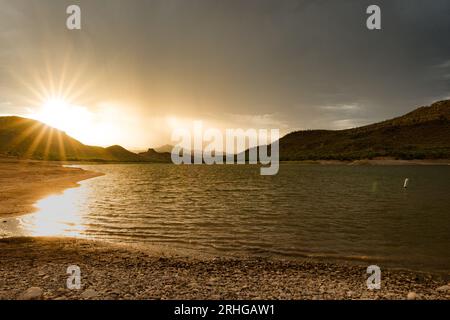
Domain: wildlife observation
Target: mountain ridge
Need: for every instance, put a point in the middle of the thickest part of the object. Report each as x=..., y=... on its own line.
x=31, y=139
x=423, y=133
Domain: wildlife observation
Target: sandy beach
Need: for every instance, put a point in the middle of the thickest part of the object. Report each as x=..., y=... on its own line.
x=25, y=182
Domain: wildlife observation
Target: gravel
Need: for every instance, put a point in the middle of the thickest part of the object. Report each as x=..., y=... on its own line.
x=36, y=268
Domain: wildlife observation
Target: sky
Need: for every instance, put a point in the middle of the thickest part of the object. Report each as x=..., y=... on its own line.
x=138, y=69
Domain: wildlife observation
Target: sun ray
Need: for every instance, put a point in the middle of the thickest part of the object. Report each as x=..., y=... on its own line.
x=62, y=77
x=38, y=93
x=42, y=86
x=50, y=76
x=36, y=142
x=74, y=148
x=74, y=95
x=25, y=134
x=48, y=144
x=74, y=82
x=62, y=151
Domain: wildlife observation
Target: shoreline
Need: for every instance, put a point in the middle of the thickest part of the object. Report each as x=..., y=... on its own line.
x=359, y=162
x=116, y=271
x=25, y=182
x=375, y=162
x=362, y=162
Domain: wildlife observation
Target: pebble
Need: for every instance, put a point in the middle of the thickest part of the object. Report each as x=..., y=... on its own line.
x=89, y=294
x=444, y=288
x=411, y=296
x=150, y=278
x=33, y=293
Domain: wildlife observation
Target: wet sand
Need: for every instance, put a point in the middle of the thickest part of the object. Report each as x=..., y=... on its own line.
x=23, y=183
x=111, y=271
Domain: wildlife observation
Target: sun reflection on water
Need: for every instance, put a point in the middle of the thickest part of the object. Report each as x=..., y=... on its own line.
x=58, y=215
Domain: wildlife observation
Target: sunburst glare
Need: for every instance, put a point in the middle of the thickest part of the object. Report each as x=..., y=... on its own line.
x=59, y=114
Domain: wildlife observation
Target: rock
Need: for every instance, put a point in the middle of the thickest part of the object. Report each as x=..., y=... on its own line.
x=89, y=294
x=445, y=288
x=33, y=293
x=115, y=292
x=411, y=296
x=3, y=295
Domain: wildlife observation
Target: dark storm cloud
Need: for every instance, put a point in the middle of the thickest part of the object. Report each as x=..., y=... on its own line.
x=304, y=64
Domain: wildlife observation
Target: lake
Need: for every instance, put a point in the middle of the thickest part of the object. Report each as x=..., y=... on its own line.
x=359, y=213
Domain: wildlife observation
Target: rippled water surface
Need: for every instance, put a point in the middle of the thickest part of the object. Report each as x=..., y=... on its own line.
x=332, y=211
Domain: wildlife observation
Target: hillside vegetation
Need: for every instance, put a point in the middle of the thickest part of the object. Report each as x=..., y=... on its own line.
x=421, y=134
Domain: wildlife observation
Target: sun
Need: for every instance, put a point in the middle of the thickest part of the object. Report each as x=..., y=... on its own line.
x=101, y=127
x=61, y=115
x=76, y=121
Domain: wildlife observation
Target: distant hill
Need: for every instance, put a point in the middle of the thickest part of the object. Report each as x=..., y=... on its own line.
x=31, y=139
x=156, y=156
x=421, y=134
x=167, y=148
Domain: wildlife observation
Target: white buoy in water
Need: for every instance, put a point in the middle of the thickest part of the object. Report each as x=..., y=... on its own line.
x=405, y=185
